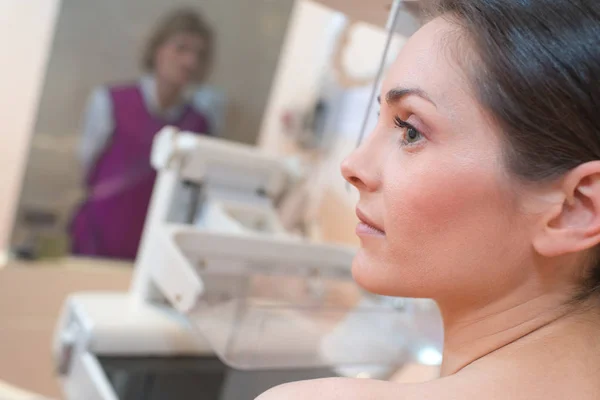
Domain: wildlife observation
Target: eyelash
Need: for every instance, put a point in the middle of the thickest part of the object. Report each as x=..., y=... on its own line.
x=407, y=127
x=401, y=124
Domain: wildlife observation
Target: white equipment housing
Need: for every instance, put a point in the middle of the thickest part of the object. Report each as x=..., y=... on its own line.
x=217, y=276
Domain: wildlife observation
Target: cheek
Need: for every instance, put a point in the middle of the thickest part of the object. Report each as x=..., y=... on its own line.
x=165, y=58
x=433, y=197
x=443, y=221
x=161, y=59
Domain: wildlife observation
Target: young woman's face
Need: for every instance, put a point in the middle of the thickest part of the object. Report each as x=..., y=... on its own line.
x=445, y=218
x=181, y=58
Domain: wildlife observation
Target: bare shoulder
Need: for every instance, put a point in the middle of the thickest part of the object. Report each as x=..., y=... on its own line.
x=499, y=381
x=334, y=389
x=362, y=389
x=451, y=388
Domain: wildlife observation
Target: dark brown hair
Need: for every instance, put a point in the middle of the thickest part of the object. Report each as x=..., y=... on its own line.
x=179, y=21
x=537, y=72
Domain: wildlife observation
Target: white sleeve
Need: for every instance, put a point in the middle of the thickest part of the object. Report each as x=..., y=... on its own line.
x=212, y=103
x=98, y=127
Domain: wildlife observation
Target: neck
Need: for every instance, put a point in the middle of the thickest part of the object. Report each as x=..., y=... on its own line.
x=474, y=333
x=167, y=94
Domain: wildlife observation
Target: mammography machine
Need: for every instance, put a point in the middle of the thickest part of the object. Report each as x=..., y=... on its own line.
x=225, y=303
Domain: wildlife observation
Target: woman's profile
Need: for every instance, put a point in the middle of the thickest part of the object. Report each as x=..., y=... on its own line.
x=480, y=188
x=120, y=124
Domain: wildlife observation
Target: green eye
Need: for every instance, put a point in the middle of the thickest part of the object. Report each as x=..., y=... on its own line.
x=412, y=135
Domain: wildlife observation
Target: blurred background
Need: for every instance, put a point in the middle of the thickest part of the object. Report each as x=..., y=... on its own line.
x=293, y=77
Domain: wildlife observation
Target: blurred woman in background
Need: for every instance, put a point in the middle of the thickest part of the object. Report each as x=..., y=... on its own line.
x=120, y=124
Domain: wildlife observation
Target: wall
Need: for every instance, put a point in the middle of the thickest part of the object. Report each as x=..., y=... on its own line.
x=21, y=76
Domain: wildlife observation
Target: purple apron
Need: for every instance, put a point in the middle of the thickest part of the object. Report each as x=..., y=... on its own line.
x=110, y=221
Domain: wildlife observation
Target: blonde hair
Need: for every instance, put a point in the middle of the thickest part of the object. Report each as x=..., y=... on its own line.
x=178, y=21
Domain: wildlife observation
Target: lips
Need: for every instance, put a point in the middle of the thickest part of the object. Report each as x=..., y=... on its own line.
x=367, y=226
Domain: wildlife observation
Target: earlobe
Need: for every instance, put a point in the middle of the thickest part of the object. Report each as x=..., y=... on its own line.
x=573, y=226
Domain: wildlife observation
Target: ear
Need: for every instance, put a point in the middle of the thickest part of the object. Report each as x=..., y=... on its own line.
x=574, y=225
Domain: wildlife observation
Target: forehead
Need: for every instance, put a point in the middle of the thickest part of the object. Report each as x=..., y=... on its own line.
x=187, y=36
x=428, y=62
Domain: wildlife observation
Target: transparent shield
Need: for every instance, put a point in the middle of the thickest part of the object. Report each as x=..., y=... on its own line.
x=275, y=312
x=280, y=304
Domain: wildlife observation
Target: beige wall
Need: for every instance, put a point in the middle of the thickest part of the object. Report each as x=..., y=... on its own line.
x=30, y=303
x=26, y=29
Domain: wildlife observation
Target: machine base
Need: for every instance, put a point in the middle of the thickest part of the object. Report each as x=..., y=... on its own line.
x=193, y=378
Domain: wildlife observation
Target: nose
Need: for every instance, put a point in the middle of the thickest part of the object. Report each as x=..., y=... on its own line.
x=360, y=169
x=190, y=59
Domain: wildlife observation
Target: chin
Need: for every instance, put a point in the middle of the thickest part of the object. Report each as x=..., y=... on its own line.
x=181, y=83
x=366, y=275
x=178, y=80
x=374, y=276
x=185, y=78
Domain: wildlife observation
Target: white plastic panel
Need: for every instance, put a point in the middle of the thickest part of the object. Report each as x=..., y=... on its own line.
x=209, y=160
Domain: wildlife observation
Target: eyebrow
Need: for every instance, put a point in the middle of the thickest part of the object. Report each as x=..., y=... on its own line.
x=397, y=94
